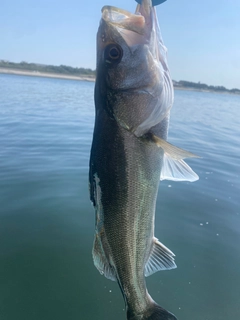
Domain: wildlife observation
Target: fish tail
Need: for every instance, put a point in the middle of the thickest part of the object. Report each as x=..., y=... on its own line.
x=153, y=312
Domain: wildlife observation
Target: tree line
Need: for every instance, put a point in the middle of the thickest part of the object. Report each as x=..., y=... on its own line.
x=67, y=70
x=62, y=69
x=203, y=86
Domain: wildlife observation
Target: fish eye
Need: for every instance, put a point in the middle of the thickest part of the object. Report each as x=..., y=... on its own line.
x=113, y=53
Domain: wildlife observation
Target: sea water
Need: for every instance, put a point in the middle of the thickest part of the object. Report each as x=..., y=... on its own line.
x=47, y=220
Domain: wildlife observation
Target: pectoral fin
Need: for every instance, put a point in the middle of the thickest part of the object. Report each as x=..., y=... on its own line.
x=161, y=258
x=174, y=152
x=176, y=170
x=173, y=167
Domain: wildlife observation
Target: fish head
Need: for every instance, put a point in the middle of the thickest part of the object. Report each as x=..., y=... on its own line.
x=126, y=49
x=132, y=67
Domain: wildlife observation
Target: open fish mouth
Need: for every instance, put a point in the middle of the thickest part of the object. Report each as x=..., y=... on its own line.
x=135, y=28
x=140, y=22
x=124, y=19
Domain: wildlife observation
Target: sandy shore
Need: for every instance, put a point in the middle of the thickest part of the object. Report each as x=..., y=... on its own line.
x=45, y=74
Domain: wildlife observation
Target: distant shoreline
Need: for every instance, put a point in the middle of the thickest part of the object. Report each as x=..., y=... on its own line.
x=45, y=74
x=92, y=79
x=203, y=90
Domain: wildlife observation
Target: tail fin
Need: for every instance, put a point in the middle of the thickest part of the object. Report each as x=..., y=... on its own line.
x=154, y=312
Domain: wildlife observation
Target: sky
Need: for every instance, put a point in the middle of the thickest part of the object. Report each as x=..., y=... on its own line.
x=202, y=37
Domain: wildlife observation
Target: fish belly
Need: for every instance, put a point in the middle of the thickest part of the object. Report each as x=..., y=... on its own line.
x=125, y=173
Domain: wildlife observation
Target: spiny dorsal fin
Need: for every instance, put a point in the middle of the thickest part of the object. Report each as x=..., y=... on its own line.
x=161, y=258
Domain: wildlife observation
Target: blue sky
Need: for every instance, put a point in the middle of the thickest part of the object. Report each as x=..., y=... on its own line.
x=202, y=37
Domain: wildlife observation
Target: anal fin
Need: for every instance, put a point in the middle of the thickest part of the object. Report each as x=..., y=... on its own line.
x=161, y=258
x=100, y=260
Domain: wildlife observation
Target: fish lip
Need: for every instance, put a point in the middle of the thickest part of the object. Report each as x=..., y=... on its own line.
x=123, y=19
x=140, y=22
x=121, y=11
x=145, y=9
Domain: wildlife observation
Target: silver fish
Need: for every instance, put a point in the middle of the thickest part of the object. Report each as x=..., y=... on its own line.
x=129, y=154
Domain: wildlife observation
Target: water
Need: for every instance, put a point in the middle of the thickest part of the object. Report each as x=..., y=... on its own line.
x=47, y=221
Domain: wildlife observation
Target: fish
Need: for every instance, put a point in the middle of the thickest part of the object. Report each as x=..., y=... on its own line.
x=130, y=154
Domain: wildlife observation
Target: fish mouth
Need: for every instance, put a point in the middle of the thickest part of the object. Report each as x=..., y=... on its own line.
x=135, y=27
